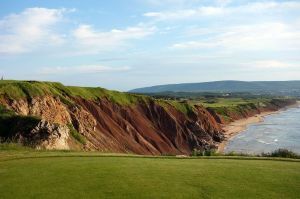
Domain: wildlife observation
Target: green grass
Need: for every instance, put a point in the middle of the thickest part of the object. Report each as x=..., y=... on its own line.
x=184, y=107
x=11, y=146
x=12, y=89
x=231, y=102
x=94, y=175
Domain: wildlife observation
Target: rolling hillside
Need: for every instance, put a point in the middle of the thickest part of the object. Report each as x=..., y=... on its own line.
x=264, y=87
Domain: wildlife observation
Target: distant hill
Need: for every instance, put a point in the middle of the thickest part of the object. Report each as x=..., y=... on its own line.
x=269, y=87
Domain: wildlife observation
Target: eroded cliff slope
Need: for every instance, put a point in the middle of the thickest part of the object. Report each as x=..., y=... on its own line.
x=53, y=116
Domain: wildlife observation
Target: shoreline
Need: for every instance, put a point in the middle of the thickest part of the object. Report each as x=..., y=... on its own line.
x=234, y=128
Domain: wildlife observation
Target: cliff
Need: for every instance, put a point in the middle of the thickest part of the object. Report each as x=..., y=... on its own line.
x=53, y=116
x=227, y=114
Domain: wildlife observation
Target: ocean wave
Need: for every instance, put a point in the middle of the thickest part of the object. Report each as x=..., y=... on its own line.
x=263, y=142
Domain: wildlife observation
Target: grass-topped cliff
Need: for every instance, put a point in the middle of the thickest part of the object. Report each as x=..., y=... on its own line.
x=14, y=90
x=236, y=108
x=233, y=108
x=29, y=89
x=106, y=120
x=47, y=113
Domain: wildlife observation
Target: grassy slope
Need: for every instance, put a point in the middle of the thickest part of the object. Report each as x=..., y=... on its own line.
x=226, y=106
x=83, y=176
x=226, y=86
x=232, y=102
x=28, y=89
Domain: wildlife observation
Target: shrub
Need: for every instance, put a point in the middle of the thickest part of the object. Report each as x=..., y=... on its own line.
x=284, y=153
x=12, y=124
x=10, y=146
x=204, y=152
x=76, y=135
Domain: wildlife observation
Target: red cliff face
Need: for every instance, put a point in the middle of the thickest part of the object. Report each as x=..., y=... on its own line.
x=149, y=128
x=142, y=128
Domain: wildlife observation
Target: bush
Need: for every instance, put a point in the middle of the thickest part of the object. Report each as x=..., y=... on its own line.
x=12, y=125
x=204, y=152
x=283, y=153
x=10, y=146
x=232, y=153
x=76, y=135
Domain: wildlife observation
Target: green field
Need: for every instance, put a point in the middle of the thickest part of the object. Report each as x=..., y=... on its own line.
x=29, y=174
x=229, y=102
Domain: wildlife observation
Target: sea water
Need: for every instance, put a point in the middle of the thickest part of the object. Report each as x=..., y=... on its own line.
x=280, y=130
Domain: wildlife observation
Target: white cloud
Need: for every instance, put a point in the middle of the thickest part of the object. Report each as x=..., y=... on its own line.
x=223, y=2
x=30, y=29
x=270, y=64
x=93, y=40
x=195, y=45
x=266, y=36
x=186, y=13
x=82, y=69
x=177, y=3
x=38, y=29
x=221, y=8
x=185, y=3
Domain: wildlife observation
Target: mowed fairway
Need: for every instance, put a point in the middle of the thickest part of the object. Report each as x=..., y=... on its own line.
x=88, y=176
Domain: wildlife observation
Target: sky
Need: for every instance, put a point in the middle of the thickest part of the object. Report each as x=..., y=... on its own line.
x=123, y=45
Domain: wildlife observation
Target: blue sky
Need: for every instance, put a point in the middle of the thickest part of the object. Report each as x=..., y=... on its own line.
x=123, y=45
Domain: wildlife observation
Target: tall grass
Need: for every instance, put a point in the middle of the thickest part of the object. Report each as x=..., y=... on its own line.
x=11, y=146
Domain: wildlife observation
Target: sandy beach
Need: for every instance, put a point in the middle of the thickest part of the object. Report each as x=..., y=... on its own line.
x=238, y=126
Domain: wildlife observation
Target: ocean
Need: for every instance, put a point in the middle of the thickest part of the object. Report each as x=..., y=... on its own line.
x=279, y=130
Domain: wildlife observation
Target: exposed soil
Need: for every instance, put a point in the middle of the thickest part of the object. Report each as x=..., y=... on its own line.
x=151, y=128
x=142, y=128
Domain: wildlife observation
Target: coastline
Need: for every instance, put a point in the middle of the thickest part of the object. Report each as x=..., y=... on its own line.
x=238, y=126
